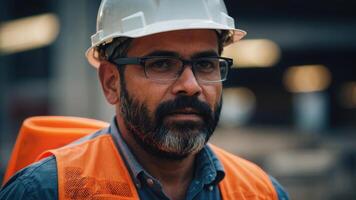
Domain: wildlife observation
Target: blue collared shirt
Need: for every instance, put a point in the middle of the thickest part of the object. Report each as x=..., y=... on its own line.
x=39, y=180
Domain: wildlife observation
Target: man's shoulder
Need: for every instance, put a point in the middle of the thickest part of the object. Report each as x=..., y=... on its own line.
x=40, y=179
x=36, y=181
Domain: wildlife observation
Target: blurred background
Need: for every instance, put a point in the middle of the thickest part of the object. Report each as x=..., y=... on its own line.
x=289, y=102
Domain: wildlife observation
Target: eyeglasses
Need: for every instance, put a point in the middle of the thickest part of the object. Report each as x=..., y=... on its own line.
x=167, y=69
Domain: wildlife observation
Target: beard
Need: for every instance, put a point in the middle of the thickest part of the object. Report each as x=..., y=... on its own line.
x=169, y=139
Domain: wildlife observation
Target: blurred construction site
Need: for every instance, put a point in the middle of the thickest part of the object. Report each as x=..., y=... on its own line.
x=289, y=101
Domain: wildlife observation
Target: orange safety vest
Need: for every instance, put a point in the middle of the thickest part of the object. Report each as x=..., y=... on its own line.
x=94, y=169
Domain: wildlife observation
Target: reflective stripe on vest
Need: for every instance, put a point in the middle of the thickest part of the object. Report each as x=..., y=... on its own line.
x=94, y=169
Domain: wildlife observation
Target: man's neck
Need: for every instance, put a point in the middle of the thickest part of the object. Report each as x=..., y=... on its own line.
x=172, y=174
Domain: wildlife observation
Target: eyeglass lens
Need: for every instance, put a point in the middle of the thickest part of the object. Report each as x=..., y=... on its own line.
x=205, y=69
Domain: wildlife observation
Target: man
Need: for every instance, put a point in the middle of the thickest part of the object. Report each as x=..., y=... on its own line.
x=159, y=63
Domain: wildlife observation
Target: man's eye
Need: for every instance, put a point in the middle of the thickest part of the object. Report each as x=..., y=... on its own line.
x=205, y=65
x=160, y=65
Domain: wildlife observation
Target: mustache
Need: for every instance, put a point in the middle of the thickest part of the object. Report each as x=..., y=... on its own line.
x=184, y=102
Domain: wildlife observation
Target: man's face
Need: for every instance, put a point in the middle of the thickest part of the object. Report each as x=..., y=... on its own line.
x=173, y=119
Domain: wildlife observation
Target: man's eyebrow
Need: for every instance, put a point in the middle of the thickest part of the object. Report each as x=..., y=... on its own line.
x=163, y=53
x=210, y=53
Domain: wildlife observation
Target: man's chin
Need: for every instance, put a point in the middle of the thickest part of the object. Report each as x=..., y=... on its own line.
x=171, y=155
x=178, y=143
x=175, y=155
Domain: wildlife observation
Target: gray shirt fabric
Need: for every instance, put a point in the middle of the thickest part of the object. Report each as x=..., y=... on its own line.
x=39, y=180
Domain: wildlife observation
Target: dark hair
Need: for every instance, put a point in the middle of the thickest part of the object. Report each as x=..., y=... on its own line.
x=118, y=48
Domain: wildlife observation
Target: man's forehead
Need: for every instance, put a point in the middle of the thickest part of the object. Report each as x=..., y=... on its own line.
x=182, y=42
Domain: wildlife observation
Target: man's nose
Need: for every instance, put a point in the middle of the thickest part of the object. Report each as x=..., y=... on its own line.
x=187, y=83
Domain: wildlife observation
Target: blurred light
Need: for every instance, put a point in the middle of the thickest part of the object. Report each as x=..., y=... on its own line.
x=311, y=113
x=239, y=104
x=348, y=95
x=28, y=33
x=253, y=53
x=307, y=78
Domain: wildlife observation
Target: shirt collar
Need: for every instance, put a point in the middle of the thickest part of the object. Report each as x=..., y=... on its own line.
x=209, y=169
x=128, y=157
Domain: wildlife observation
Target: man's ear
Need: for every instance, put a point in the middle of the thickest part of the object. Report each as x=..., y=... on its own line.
x=110, y=81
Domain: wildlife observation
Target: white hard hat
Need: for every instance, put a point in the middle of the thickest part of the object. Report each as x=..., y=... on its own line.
x=137, y=18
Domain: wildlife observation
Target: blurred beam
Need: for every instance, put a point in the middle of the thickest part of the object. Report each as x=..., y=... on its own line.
x=28, y=33
x=304, y=34
x=71, y=83
x=75, y=87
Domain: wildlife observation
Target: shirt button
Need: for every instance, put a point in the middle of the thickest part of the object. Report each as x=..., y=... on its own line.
x=150, y=182
x=210, y=188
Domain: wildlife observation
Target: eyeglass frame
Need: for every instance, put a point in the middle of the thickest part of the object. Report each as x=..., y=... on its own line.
x=141, y=61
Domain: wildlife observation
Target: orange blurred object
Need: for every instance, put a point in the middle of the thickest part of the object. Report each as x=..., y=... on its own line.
x=42, y=133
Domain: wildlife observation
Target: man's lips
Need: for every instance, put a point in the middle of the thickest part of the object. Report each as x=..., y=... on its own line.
x=187, y=111
x=185, y=114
